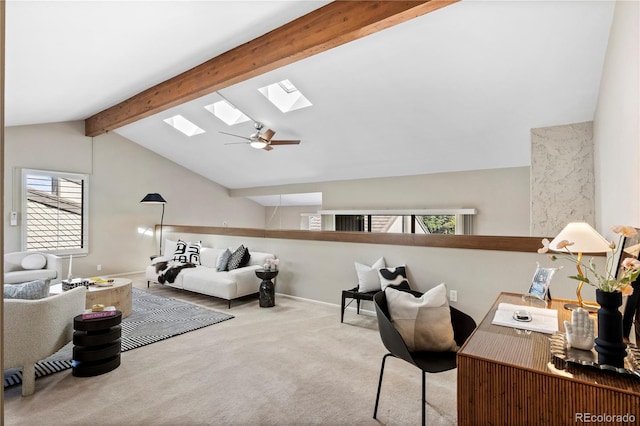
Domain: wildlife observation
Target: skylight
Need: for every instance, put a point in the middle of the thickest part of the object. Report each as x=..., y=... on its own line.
x=227, y=112
x=180, y=123
x=285, y=96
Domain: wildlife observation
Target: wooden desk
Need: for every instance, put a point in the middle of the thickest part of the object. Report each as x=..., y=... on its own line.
x=508, y=378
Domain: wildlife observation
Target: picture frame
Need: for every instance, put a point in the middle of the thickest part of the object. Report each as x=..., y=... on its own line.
x=631, y=312
x=539, y=288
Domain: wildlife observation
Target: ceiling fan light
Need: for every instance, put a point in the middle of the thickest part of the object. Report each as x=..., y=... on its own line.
x=258, y=144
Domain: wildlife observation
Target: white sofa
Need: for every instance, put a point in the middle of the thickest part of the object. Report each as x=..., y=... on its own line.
x=15, y=272
x=205, y=279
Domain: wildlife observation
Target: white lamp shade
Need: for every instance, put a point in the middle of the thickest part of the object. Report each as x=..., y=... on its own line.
x=585, y=239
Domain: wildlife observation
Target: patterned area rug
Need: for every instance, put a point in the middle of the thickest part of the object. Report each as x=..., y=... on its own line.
x=154, y=318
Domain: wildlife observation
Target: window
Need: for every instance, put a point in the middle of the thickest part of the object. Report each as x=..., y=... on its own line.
x=436, y=221
x=54, y=209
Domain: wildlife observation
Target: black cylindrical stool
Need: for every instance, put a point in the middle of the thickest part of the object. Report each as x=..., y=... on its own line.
x=96, y=343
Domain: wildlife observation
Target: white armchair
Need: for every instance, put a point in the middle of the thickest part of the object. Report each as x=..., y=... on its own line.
x=35, y=329
x=15, y=271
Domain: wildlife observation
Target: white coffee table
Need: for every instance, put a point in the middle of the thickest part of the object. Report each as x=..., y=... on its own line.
x=118, y=295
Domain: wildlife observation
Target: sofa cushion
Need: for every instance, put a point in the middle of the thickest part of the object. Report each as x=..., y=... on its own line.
x=187, y=252
x=393, y=276
x=209, y=256
x=32, y=290
x=423, y=322
x=34, y=261
x=368, y=279
x=223, y=260
x=239, y=258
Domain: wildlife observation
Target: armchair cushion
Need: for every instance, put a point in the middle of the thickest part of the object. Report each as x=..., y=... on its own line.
x=33, y=290
x=34, y=261
x=423, y=322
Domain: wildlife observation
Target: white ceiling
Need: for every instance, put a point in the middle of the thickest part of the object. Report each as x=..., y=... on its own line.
x=457, y=89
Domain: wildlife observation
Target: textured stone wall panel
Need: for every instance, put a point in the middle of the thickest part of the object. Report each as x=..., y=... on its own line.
x=562, y=177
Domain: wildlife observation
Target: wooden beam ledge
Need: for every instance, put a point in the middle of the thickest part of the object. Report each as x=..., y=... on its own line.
x=330, y=26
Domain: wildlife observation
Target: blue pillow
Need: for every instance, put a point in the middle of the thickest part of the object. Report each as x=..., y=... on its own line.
x=32, y=290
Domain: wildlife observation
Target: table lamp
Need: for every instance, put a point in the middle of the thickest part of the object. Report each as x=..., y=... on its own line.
x=585, y=239
x=155, y=198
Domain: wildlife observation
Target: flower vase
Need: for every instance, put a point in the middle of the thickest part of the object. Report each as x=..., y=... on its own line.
x=609, y=344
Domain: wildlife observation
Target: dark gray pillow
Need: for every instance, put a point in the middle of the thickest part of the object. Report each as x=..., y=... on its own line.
x=238, y=257
x=32, y=290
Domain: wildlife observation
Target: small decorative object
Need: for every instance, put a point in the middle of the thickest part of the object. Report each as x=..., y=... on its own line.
x=271, y=265
x=539, y=289
x=70, y=275
x=580, y=330
x=610, y=285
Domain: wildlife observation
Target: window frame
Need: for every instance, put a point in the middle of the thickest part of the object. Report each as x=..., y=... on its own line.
x=84, y=249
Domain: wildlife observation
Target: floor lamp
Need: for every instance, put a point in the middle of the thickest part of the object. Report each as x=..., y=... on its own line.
x=584, y=239
x=155, y=198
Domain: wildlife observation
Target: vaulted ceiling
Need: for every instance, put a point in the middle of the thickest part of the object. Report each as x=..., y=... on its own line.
x=458, y=88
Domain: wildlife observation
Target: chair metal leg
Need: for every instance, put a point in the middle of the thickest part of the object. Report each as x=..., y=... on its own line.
x=384, y=359
x=424, y=399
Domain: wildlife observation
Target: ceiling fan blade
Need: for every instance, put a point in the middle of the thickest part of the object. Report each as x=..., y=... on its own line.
x=237, y=136
x=284, y=142
x=267, y=135
x=267, y=148
x=237, y=143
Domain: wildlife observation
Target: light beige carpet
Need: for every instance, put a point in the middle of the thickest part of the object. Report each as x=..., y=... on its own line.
x=293, y=364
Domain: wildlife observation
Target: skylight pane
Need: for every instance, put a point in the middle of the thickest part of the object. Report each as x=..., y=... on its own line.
x=285, y=96
x=180, y=123
x=227, y=112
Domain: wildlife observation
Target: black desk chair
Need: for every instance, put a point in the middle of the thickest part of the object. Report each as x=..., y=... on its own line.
x=431, y=362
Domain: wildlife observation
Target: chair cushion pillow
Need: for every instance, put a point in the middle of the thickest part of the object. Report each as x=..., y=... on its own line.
x=368, y=279
x=187, y=252
x=223, y=260
x=423, y=322
x=34, y=261
x=393, y=276
x=32, y=290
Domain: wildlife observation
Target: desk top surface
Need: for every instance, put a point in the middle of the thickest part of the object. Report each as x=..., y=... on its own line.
x=520, y=349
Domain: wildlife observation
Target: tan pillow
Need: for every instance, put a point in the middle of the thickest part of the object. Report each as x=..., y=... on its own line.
x=423, y=322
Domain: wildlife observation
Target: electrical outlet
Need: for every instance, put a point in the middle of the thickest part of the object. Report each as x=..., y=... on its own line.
x=99, y=267
x=453, y=296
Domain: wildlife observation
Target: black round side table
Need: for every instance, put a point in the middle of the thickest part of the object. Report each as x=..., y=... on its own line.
x=267, y=288
x=96, y=343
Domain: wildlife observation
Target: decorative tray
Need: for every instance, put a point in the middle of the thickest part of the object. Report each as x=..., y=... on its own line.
x=563, y=355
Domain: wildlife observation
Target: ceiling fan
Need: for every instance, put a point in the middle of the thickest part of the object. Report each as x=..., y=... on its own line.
x=261, y=140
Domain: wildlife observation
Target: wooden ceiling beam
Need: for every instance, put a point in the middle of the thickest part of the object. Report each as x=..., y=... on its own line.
x=332, y=25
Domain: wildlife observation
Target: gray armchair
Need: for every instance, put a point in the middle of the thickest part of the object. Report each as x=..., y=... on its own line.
x=35, y=329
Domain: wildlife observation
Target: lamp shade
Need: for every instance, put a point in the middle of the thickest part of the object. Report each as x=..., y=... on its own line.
x=585, y=239
x=153, y=198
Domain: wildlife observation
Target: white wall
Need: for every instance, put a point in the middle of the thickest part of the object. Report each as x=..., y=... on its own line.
x=617, y=124
x=500, y=195
x=121, y=174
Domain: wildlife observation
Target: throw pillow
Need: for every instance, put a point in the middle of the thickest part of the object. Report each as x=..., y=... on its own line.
x=235, y=261
x=393, y=276
x=368, y=279
x=32, y=290
x=423, y=322
x=187, y=252
x=34, y=261
x=223, y=260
